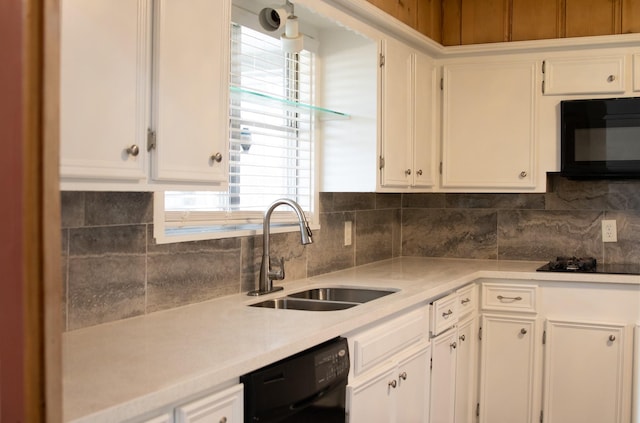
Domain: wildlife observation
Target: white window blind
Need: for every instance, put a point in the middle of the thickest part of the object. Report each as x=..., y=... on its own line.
x=271, y=150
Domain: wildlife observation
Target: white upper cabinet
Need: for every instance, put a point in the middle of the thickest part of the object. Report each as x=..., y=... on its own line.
x=584, y=75
x=406, y=124
x=104, y=89
x=636, y=72
x=119, y=129
x=489, y=125
x=191, y=68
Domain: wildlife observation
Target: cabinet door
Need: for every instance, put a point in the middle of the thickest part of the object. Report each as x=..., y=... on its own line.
x=489, y=125
x=588, y=369
x=509, y=375
x=443, y=376
x=396, y=122
x=414, y=374
x=424, y=109
x=466, y=369
x=191, y=77
x=370, y=399
x=223, y=407
x=591, y=75
x=104, y=88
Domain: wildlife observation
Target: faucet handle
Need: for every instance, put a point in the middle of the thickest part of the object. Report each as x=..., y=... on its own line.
x=277, y=274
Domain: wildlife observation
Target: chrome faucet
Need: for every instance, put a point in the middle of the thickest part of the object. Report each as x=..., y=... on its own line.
x=267, y=275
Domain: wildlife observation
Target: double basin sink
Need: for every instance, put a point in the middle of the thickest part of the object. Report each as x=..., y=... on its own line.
x=325, y=299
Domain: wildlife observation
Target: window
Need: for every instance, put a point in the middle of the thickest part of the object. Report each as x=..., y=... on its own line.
x=271, y=147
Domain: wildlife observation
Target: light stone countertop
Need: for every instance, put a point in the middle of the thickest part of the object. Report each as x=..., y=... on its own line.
x=125, y=369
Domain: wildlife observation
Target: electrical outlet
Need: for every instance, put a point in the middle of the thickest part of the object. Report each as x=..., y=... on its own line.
x=609, y=231
x=347, y=232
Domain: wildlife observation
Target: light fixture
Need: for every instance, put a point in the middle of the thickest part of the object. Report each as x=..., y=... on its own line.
x=276, y=17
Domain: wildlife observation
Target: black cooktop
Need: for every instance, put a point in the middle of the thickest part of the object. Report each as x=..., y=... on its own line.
x=588, y=265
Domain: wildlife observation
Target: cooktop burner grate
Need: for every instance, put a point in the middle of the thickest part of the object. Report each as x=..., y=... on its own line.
x=588, y=265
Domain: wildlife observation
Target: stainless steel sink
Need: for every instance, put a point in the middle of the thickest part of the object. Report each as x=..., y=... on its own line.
x=310, y=305
x=352, y=295
x=325, y=299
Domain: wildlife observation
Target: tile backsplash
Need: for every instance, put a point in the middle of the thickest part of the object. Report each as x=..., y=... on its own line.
x=113, y=269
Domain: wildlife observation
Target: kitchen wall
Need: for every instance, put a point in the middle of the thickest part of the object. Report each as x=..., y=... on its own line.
x=113, y=269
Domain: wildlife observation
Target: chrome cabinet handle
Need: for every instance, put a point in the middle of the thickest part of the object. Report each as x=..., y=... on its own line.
x=216, y=157
x=393, y=383
x=447, y=314
x=501, y=298
x=403, y=376
x=466, y=300
x=612, y=338
x=523, y=331
x=133, y=151
x=611, y=78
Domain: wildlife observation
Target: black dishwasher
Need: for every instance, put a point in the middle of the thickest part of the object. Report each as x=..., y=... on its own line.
x=307, y=387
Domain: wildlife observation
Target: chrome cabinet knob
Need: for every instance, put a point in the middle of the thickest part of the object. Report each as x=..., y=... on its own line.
x=453, y=345
x=523, y=174
x=419, y=172
x=611, y=78
x=462, y=337
x=407, y=172
x=133, y=150
x=523, y=331
x=403, y=375
x=216, y=157
x=612, y=338
x=393, y=384
x=223, y=419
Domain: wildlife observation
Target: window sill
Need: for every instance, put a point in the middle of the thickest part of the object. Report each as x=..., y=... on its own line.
x=200, y=233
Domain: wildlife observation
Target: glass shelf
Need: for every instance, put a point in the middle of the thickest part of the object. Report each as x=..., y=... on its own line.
x=321, y=112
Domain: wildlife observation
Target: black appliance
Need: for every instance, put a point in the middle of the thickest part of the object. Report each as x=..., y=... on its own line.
x=588, y=265
x=307, y=387
x=600, y=138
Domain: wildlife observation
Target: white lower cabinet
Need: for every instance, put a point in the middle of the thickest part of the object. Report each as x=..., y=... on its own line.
x=222, y=407
x=396, y=392
x=466, y=369
x=443, y=376
x=586, y=376
x=509, y=369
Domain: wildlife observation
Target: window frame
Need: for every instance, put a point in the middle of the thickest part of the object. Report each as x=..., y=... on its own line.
x=176, y=230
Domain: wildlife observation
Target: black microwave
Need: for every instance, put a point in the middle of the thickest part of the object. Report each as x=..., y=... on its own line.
x=600, y=138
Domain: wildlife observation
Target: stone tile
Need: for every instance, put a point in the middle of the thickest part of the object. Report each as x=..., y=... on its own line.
x=427, y=201
x=127, y=239
x=188, y=272
x=627, y=249
x=326, y=202
x=64, y=261
x=593, y=195
x=118, y=208
x=179, y=278
x=496, y=201
x=72, y=209
x=251, y=258
x=543, y=235
x=104, y=289
x=388, y=201
x=350, y=201
x=397, y=233
x=449, y=233
x=374, y=235
x=328, y=252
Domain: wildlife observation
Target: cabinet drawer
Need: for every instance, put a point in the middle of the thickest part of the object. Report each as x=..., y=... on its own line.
x=375, y=345
x=520, y=298
x=587, y=75
x=467, y=300
x=444, y=314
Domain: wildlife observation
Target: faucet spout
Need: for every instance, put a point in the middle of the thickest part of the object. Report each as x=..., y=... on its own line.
x=267, y=275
